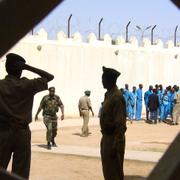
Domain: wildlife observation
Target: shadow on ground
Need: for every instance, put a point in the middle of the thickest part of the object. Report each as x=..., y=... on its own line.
x=42, y=146
x=134, y=178
x=79, y=134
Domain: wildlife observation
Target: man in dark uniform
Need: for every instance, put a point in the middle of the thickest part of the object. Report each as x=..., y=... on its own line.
x=113, y=127
x=16, y=101
x=50, y=105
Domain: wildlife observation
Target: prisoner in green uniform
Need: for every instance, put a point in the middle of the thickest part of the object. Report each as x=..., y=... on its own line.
x=113, y=127
x=50, y=105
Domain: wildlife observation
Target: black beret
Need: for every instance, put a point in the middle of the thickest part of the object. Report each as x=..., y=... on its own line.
x=11, y=57
x=52, y=89
x=87, y=92
x=111, y=73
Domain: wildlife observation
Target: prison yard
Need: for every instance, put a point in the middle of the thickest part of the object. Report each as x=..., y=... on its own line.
x=78, y=158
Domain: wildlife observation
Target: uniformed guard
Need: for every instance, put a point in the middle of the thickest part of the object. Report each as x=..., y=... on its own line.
x=50, y=105
x=16, y=101
x=113, y=127
x=176, y=108
x=85, y=106
x=146, y=100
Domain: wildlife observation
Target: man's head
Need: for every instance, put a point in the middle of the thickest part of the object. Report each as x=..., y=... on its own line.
x=126, y=86
x=140, y=86
x=150, y=87
x=134, y=88
x=87, y=93
x=13, y=62
x=160, y=87
x=51, y=91
x=109, y=77
x=156, y=86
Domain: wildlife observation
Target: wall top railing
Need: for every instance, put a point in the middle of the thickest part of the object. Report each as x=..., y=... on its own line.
x=106, y=40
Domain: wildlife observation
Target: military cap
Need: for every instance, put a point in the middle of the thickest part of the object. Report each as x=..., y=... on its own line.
x=52, y=89
x=12, y=58
x=87, y=92
x=111, y=73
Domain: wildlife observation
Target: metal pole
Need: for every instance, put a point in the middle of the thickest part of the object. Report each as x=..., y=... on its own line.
x=175, y=35
x=127, y=31
x=100, y=28
x=69, y=25
x=152, y=34
x=32, y=31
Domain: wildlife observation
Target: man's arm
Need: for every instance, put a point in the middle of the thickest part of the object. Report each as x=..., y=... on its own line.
x=90, y=108
x=40, y=72
x=38, y=111
x=62, y=111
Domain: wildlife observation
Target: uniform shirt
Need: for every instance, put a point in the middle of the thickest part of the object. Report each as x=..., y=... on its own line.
x=153, y=102
x=113, y=114
x=177, y=97
x=139, y=94
x=84, y=103
x=16, y=99
x=146, y=96
x=126, y=96
x=133, y=97
x=50, y=105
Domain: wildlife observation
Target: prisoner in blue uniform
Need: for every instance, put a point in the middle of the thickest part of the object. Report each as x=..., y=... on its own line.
x=139, y=102
x=164, y=110
x=160, y=95
x=133, y=97
x=126, y=95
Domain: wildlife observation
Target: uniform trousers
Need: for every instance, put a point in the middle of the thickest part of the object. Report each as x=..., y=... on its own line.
x=51, y=126
x=85, y=115
x=112, y=166
x=16, y=142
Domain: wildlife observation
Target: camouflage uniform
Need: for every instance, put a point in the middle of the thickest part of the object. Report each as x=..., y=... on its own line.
x=50, y=106
x=113, y=127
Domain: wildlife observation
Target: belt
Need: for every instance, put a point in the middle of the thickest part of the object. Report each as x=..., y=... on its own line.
x=85, y=109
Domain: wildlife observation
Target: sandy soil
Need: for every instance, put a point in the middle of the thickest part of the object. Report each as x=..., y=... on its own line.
x=140, y=136
x=64, y=167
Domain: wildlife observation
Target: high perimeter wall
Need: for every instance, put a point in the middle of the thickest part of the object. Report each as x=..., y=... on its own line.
x=77, y=66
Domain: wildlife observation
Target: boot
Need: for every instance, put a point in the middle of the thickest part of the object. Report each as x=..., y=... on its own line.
x=48, y=145
x=53, y=143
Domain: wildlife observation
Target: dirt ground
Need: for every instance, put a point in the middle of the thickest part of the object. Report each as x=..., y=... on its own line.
x=139, y=136
x=47, y=166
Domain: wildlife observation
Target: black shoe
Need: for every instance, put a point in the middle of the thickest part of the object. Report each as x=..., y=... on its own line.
x=48, y=146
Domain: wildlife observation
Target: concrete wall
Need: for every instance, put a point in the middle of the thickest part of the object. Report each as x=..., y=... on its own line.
x=77, y=65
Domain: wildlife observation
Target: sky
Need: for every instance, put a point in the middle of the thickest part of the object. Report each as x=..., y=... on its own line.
x=86, y=15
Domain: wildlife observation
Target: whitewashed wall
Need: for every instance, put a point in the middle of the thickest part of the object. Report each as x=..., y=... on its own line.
x=77, y=66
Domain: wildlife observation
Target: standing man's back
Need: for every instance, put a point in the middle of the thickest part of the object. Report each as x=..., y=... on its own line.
x=84, y=108
x=16, y=101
